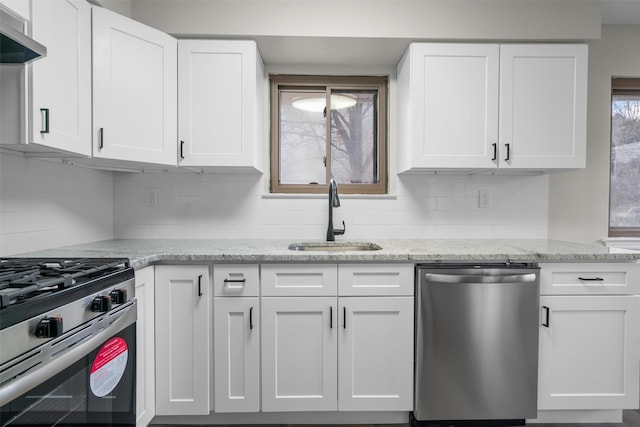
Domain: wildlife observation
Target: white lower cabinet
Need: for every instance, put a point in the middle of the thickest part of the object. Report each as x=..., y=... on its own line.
x=327, y=353
x=375, y=354
x=182, y=339
x=589, y=352
x=236, y=357
x=299, y=354
x=311, y=350
x=145, y=343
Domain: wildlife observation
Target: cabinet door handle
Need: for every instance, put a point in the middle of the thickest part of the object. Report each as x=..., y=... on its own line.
x=330, y=317
x=181, y=150
x=546, y=316
x=508, y=146
x=495, y=152
x=591, y=279
x=200, y=285
x=344, y=317
x=250, y=317
x=45, y=116
x=101, y=138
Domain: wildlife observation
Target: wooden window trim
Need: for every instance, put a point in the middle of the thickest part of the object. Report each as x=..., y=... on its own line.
x=378, y=83
x=621, y=86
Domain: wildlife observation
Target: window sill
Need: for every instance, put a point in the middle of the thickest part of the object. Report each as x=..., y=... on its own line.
x=324, y=196
x=623, y=242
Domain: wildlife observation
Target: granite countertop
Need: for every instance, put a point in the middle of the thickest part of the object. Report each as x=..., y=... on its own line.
x=143, y=252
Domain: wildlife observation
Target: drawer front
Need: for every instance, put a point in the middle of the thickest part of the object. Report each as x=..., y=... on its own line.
x=299, y=279
x=375, y=279
x=590, y=279
x=236, y=280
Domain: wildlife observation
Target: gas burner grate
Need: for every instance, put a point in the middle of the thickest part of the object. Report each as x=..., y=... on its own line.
x=22, y=279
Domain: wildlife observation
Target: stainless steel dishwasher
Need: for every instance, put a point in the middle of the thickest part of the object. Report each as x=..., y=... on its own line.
x=476, y=344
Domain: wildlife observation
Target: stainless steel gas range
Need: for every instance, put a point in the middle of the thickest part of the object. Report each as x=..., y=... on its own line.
x=67, y=342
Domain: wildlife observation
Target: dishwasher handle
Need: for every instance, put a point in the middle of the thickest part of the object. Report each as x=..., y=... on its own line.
x=481, y=278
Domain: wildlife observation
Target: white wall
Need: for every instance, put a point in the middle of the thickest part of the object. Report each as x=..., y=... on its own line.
x=44, y=205
x=233, y=206
x=411, y=19
x=579, y=201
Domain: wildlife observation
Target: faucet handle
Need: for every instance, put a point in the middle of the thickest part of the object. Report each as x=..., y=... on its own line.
x=339, y=232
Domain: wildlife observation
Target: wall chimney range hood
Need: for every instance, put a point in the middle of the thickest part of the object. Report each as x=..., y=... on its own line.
x=15, y=46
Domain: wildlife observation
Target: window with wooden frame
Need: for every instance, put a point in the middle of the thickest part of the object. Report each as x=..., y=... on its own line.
x=624, y=184
x=325, y=127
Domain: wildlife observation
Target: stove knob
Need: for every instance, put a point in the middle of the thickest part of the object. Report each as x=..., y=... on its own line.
x=49, y=327
x=101, y=303
x=118, y=296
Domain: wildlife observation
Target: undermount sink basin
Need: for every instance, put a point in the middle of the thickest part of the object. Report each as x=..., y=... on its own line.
x=334, y=246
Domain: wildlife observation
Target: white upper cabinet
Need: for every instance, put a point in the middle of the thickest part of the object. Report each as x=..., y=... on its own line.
x=220, y=97
x=17, y=7
x=134, y=91
x=488, y=106
x=60, y=102
x=448, y=106
x=543, y=106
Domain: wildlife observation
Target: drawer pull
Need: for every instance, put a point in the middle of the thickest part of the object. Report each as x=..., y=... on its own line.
x=235, y=280
x=591, y=279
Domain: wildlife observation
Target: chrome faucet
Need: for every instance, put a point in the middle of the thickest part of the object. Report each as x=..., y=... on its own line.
x=334, y=202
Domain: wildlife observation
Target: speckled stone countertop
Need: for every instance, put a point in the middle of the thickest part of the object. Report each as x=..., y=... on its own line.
x=143, y=252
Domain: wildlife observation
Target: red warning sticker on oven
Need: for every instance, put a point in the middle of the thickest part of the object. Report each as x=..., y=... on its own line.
x=108, y=366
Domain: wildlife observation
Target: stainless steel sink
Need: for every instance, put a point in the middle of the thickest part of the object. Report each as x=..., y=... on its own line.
x=334, y=246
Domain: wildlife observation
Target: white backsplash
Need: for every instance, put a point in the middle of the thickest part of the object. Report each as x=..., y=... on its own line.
x=234, y=206
x=45, y=205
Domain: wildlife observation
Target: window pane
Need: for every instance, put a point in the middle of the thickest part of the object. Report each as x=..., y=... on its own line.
x=625, y=161
x=354, y=137
x=302, y=137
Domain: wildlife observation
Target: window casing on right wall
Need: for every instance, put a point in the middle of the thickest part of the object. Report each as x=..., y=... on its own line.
x=624, y=177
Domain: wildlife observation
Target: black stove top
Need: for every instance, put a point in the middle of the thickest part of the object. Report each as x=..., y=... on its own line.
x=29, y=286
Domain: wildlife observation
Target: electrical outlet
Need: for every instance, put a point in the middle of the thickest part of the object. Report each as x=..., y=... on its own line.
x=484, y=199
x=150, y=197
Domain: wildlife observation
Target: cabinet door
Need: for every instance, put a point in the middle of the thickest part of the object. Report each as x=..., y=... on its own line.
x=299, y=354
x=145, y=347
x=134, y=90
x=61, y=82
x=543, y=106
x=219, y=85
x=589, y=352
x=453, y=105
x=236, y=354
x=182, y=340
x=375, y=354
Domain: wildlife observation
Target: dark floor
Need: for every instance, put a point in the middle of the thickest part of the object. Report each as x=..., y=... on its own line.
x=630, y=419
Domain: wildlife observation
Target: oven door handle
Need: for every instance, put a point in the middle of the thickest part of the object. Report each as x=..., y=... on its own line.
x=101, y=329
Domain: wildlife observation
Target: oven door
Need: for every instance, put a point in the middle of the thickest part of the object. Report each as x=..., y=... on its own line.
x=84, y=377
